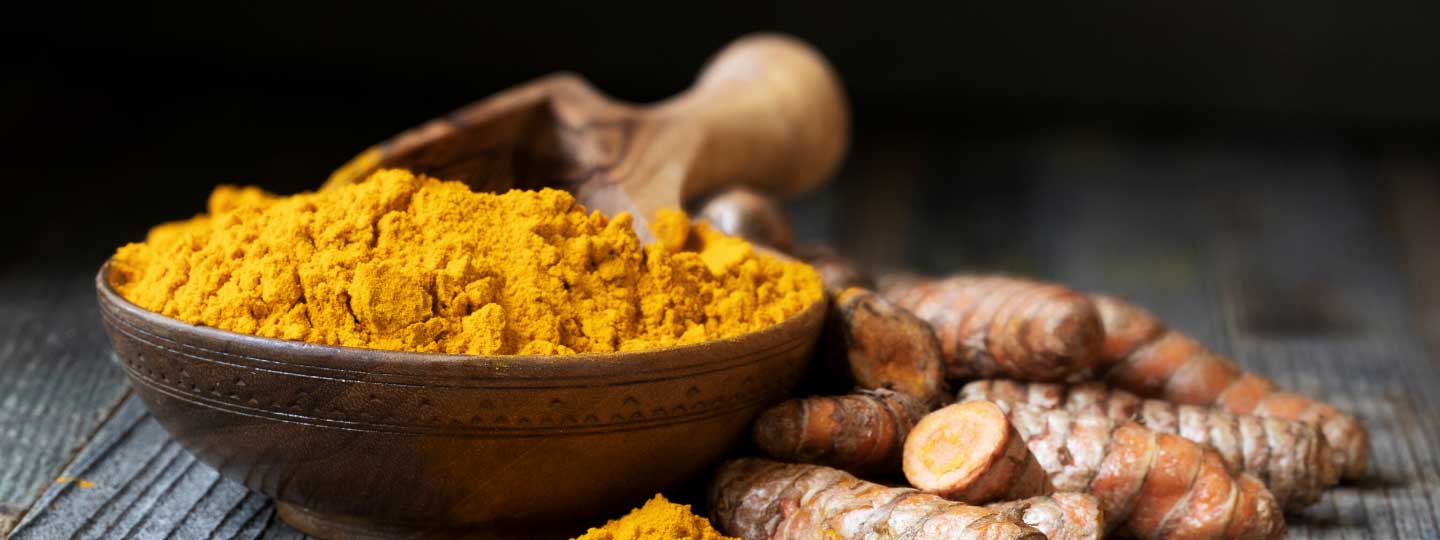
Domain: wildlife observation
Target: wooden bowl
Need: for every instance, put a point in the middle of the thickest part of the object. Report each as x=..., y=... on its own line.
x=363, y=443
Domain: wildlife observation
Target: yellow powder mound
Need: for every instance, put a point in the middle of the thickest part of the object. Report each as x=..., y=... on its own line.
x=659, y=519
x=412, y=263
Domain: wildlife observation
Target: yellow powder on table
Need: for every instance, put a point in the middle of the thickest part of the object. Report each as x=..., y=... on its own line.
x=659, y=519
x=416, y=264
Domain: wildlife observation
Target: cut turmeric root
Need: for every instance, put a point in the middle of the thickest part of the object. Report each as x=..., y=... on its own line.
x=1290, y=457
x=969, y=452
x=997, y=326
x=1151, y=485
x=887, y=347
x=863, y=432
x=757, y=499
x=1061, y=516
x=1145, y=357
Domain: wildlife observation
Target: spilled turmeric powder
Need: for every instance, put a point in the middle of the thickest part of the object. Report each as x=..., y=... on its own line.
x=411, y=263
x=659, y=519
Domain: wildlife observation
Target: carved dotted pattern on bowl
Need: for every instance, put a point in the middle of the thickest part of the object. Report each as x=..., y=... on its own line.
x=408, y=410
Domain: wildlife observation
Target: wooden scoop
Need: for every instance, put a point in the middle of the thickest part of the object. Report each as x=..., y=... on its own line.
x=767, y=112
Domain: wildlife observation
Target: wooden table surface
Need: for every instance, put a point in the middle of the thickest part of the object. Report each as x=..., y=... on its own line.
x=1313, y=263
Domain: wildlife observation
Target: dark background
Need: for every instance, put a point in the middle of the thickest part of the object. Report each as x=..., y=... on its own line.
x=117, y=117
x=1260, y=174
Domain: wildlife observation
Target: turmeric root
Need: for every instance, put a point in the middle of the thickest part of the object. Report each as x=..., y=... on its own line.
x=996, y=326
x=887, y=347
x=750, y=215
x=1290, y=457
x=1143, y=356
x=1061, y=516
x=1151, y=485
x=836, y=272
x=863, y=432
x=757, y=499
x=969, y=452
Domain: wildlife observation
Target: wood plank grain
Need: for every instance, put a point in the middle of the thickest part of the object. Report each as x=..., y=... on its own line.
x=58, y=382
x=134, y=482
x=1414, y=187
x=1283, y=261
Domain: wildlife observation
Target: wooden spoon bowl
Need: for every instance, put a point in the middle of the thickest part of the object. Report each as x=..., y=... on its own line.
x=767, y=112
x=371, y=444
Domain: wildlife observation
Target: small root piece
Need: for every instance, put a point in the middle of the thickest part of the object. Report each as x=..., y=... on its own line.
x=863, y=432
x=751, y=215
x=836, y=272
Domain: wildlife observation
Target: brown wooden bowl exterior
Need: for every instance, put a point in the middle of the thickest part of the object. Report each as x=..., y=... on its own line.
x=363, y=442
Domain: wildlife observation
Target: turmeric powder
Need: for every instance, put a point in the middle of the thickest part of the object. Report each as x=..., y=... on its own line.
x=659, y=519
x=410, y=263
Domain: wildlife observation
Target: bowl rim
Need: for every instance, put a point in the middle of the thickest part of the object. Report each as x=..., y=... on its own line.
x=117, y=311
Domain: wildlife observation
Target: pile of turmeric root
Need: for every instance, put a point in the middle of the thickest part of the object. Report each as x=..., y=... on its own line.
x=995, y=407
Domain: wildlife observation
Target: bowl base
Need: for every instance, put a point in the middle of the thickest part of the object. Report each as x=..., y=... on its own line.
x=346, y=527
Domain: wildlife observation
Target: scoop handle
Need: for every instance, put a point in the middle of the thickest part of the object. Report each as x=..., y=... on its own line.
x=768, y=112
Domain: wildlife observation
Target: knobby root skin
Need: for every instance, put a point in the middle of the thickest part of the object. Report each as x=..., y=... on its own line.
x=1150, y=485
x=836, y=272
x=999, y=326
x=969, y=452
x=1291, y=457
x=758, y=499
x=1141, y=355
x=863, y=432
x=886, y=346
x=751, y=215
x=1061, y=516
